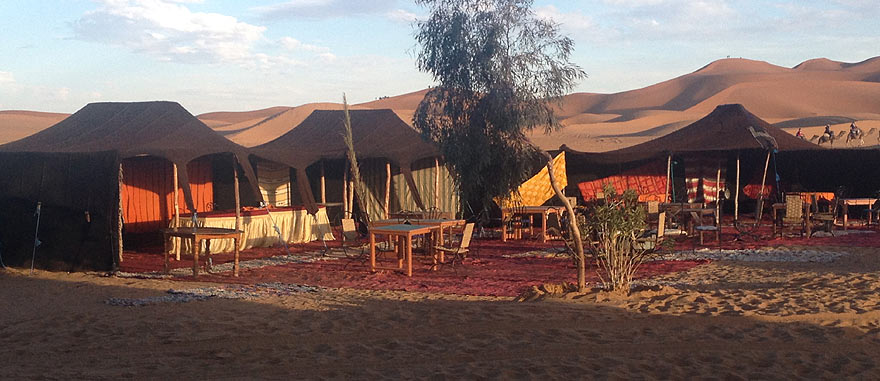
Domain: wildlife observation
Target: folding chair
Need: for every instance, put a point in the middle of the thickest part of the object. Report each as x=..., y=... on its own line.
x=458, y=253
x=351, y=240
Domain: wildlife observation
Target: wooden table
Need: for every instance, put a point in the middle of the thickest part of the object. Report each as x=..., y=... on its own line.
x=442, y=223
x=532, y=211
x=203, y=234
x=857, y=201
x=404, y=234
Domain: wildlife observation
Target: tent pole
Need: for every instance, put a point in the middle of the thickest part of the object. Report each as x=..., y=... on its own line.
x=237, y=213
x=761, y=195
x=718, y=196
x=436, y=183
x=323, y=185
x=387, y=188
x=668, y=178
x=176, y=212
x=119, y=219
x=736, y=197
x=345, y=211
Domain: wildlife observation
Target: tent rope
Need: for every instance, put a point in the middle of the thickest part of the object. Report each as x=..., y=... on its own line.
x=277, y=229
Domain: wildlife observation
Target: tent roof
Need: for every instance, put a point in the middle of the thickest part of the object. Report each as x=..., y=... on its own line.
x=377, y=134
x=729, y=127
x=163, y=129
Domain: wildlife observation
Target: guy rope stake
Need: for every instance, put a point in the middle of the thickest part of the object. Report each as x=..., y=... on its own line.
x=36, y=239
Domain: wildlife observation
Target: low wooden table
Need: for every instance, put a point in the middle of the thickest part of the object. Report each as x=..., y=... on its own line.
x=532, y=211
x=856, y=201
x=404, y=234
x=203, y=234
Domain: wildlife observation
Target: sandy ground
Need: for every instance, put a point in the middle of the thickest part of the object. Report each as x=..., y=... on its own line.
x=730, y=320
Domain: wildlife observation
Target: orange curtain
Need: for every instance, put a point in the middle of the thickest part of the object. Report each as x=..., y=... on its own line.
x=148, y=197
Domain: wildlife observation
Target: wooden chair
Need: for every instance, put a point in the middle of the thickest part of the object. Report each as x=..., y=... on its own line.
x=458, y=253
x=654, y=237
x=794, y=214
x=826, y=219
x=702, y=228
x=515, y=222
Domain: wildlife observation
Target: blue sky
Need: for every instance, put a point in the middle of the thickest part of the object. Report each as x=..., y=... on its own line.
x=213, y=55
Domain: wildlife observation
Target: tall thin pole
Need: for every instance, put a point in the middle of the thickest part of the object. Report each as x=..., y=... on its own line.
x=763, y=180
x=436, y=183
x=736, y=197
x=176, y=212
x=718, y=196
x=668, y=178
x=237, y=193
x=119, y=220
x=387, y=188
x=237, y=242
x=345, y=210
x=323, y=185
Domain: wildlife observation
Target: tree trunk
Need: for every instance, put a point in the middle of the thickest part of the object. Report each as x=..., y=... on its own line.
x=575, y=231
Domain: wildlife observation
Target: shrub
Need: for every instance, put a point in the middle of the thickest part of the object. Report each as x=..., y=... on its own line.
x=614, y=225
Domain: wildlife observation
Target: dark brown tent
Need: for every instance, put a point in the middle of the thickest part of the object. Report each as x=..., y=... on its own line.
x=727, y=128
x=104, y=134
x=376, y=134
x=160, y=129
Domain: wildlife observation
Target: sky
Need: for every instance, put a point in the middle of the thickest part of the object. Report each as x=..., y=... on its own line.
x=232, y=55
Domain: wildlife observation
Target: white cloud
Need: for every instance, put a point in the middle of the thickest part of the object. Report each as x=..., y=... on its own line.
x=401, y=15
x=293, y=44
x=61, y=94
x=169, y=31
x=324, y=8
x=6, y=78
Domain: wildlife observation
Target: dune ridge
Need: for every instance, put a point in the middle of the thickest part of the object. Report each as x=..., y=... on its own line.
x=809, y=95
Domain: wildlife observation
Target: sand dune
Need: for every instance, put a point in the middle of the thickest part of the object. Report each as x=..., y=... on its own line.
x=222, y=118
x=16, y=124
x=809, y=95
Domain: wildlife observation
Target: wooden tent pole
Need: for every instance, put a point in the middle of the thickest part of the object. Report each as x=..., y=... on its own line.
x=736, y=197
x=237, y=193
x=120, y=211
x=668, y=178
x=718, y=196
x=763, y=181
x=176, y=211
x=436, y=183
x=345, y=211
x=387, y=188
x=323, y=185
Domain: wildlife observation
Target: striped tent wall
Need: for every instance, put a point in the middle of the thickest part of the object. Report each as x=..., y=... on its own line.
x=274, y=180
x=423, y=173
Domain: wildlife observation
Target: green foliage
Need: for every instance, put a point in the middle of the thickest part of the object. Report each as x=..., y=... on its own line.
x=615, y=224
x=498, y=68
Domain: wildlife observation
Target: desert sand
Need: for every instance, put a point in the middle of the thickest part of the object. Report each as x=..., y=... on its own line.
x=725, y=319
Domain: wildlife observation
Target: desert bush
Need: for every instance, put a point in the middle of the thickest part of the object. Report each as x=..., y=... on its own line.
x=614, y=225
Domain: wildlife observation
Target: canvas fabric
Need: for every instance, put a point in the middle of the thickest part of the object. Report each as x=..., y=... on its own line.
x=274, y=179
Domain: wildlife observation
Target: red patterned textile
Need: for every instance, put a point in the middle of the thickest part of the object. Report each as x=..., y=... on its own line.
x=649, y=181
